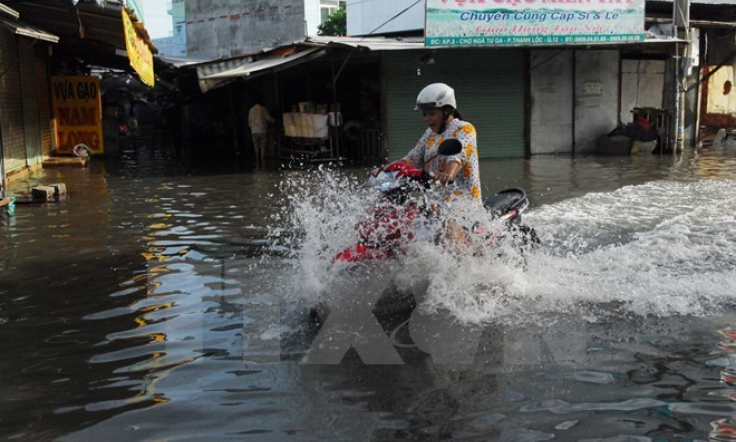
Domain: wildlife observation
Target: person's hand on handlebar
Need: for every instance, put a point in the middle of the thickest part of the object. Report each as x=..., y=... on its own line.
x=448, y=176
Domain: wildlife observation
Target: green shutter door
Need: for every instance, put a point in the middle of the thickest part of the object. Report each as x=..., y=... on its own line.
x=490, y=90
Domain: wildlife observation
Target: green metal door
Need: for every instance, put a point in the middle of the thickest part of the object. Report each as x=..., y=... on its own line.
x=490, y=90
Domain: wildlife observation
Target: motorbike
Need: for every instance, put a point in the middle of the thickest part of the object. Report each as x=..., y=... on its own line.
x=405, y=208
x=407, y=211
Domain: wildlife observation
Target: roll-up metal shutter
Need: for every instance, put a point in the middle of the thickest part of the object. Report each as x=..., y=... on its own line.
x=490, y=90
x=29, y=92
x=44, y=106
x=11, y=104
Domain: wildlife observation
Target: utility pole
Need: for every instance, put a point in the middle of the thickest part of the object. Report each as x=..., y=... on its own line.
x=681, y=30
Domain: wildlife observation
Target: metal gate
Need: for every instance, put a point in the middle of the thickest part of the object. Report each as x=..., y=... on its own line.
x=11, y=104
x=44, y=106
x=29, y=91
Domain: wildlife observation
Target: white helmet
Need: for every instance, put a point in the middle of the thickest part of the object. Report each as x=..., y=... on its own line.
x=436, y=95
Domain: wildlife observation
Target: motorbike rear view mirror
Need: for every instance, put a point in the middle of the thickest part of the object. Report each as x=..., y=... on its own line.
x=447, y=148
x=450, y=147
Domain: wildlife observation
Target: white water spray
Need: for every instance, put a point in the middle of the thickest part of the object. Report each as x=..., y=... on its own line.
x=662, y=248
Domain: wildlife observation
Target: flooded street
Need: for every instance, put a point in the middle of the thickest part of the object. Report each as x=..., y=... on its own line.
x=168, y=299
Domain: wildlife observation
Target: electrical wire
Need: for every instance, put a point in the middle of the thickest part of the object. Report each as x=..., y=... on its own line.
x=395, y=16
x=363, y=2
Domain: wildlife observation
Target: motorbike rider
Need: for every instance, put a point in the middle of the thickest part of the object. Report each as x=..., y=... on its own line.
x=439, y=111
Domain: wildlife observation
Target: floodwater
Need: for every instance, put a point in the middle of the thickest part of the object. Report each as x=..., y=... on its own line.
x=168, y=299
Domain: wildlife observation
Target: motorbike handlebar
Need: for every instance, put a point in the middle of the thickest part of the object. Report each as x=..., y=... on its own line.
x=429, y=177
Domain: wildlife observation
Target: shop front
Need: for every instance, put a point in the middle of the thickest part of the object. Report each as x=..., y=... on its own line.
x=354, y=98
x=325, y=96
x=23, y=62
x=44, y=39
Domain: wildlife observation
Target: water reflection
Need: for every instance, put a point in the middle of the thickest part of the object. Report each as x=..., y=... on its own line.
x=724, y=430
x=144, y=308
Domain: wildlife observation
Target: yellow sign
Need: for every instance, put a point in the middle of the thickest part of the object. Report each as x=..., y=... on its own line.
x=77, y=114
x=139, y=53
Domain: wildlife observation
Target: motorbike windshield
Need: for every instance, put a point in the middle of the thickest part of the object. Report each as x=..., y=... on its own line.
x=387, y=181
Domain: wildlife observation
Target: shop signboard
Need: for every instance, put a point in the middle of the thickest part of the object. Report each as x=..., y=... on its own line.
x=77, y=114
x=533, y=22
x=139, y=54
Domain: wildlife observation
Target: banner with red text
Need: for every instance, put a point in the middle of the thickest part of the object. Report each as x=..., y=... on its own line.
x=77, y=114
x=533, y=22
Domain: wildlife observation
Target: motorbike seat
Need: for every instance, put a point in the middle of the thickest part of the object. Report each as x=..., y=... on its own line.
x=504, y=200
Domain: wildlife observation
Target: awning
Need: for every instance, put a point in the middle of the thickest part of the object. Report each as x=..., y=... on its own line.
x=9, y=19
x=10, y=11
x=661, y=32
x=179, y=62
x=207, y=69
x=83, y=22
x=20, y=28
x=272, y=62
x=90, y=31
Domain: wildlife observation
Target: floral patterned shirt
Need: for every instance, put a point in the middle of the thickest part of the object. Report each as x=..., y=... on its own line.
x=467, y=181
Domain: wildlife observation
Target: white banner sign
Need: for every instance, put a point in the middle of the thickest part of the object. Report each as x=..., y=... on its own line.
x=533, y=22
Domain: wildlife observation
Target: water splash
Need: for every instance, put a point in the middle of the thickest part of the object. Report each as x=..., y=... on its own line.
x=673, y=253
x=662, y=248
x=318, y=221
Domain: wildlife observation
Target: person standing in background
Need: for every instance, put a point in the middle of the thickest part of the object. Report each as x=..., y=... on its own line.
x=258, y=120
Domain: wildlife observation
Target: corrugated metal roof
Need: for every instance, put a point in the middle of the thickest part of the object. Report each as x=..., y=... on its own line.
x=269, y=62
x=20, y=28
x=83, y=22
x=372, y=43
x=180, y=61
x=9, y=19
x=10, y=11
x=206, y=69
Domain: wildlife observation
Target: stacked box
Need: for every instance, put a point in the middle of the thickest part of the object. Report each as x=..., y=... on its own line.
x=52, y=192
x=60, y=189
x=46, y=193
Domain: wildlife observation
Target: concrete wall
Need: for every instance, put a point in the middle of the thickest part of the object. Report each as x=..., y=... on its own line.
x=551, y=97
x=175, y=46
x=312, y=16
x=596, y=96
x=722, y=92
x=719, y=104
x=364, y=17
x=642, y=85
x=571, y=109
x=227, y=28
